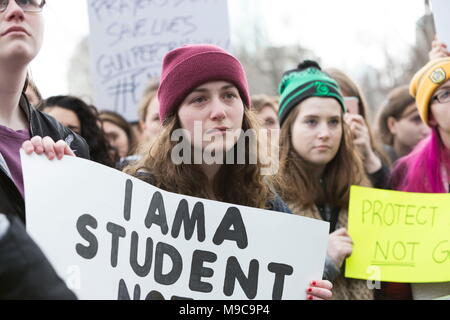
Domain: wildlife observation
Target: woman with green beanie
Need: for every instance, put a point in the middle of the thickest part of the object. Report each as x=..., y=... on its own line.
x=319, y=164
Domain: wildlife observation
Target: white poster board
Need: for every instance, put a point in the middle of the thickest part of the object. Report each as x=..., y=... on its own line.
x=441, y=13
x=112, y=236
x=128, y=39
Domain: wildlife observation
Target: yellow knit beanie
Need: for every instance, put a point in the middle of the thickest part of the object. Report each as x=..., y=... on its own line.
x=426, y=81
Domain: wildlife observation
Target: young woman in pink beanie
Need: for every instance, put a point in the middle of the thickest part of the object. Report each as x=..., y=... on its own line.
x=205, y=85
x=204, y=92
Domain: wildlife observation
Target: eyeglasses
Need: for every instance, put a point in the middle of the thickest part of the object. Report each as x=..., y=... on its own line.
x=443, y=96
x=26, y=5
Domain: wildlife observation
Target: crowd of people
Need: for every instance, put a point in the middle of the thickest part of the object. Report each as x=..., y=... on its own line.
x=324, y=137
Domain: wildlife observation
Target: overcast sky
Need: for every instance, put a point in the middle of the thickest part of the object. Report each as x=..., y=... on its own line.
x=344, y=33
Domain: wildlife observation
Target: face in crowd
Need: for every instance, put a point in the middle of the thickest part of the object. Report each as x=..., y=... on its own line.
x=317, y=130
x=66, y=117
x=268, y=118
x=408, y=130
x=218, y=108
x=117, y=137
x=151, y=126
x=21, y=30
x=440, y=115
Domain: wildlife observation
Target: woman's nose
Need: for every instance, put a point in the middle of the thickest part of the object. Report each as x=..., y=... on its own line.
x=218, y=110
x=13, y=11
x=324, y=131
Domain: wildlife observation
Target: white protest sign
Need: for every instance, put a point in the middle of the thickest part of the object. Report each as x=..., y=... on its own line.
x=128, y=39
x=441, y=13
x=112, y=236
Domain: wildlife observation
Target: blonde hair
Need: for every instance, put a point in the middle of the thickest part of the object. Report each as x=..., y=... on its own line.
x=149, y=94
x=259, y=101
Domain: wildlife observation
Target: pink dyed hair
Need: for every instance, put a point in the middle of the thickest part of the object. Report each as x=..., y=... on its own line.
x=423, y=166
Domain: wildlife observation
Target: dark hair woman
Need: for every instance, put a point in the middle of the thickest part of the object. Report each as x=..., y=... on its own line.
x=81, y=118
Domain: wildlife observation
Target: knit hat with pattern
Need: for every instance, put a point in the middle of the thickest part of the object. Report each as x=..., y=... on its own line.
x=306, y=81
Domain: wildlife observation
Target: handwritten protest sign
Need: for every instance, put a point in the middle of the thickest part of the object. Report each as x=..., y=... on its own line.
x=111, y=236
x=128, y=39
x=399, y=236
x=441, y=14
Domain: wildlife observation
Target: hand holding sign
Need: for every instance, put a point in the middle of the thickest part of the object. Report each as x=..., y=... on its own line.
x=146, y=242
x=399, y=236
x=48, y=147
x=438, y=50
x=441, y=9
x=320, y=290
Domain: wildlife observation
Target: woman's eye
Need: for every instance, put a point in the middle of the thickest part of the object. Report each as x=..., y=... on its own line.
x=29, y=2
x=270, y=122
x=229, y=96
x=444, y=95
x=311, y=122
x=416, y=119
x=198, y=99
x=334, y=122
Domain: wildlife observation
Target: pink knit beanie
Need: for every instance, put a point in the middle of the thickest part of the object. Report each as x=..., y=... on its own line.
x=190, y=66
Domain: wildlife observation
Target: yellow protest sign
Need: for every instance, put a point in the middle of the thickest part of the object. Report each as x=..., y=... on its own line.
x=399, y=236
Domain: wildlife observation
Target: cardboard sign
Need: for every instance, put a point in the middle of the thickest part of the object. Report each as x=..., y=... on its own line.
x=111, y=236
x=128, y=39
x=441, y=13
x=399, y=236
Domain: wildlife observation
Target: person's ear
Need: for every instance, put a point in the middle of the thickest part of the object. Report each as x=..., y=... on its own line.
x=392, y=125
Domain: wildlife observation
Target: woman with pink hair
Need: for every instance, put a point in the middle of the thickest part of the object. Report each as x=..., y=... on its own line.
x=426, y=169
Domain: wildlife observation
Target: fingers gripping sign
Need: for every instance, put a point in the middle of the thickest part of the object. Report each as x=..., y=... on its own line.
x=438, y=50
x=48, y=147
x=320, y=290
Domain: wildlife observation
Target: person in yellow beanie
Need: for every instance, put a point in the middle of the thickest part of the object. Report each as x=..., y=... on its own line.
x=425, y=83
x=426, y=169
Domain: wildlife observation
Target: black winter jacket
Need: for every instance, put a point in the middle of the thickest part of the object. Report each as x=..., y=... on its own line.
x=25, y=273
x=40, y=124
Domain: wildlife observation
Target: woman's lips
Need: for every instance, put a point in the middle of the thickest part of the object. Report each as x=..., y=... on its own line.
x=322, y=147
x=15, y=29
x=217, y=130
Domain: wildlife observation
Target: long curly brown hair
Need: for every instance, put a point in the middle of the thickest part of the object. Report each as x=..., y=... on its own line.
x=240, y=184
x=301, y=187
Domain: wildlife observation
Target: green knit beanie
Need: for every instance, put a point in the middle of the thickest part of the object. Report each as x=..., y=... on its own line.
x=306, y=81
